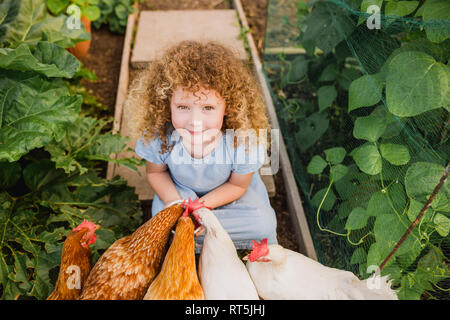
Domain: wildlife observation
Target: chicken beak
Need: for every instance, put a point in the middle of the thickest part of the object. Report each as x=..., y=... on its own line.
x=245, y=258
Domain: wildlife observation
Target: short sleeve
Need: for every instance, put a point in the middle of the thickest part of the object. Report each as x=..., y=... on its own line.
x=247, y=161
x=151, y=151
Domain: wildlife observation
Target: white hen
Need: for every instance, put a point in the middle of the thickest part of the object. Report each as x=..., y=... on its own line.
x=222, y=274
x=280, y=274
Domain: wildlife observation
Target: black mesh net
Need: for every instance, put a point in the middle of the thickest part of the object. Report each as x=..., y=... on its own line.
x=361, y=92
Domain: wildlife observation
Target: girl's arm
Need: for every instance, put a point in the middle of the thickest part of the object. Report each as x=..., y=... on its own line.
x=159, y=179
x=228, y=192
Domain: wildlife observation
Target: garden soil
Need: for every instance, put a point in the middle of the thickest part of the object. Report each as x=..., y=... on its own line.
x=104, y=59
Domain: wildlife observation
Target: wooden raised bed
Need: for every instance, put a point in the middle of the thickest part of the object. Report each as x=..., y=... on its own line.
x=296, y=211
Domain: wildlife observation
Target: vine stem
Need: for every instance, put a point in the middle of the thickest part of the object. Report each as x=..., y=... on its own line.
x=419, y=216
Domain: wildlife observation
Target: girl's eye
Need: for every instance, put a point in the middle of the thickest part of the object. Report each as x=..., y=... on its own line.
x=182, y=107
x=208, y=108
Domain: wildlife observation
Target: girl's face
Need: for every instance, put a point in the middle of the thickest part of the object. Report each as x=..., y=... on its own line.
x=197, y=116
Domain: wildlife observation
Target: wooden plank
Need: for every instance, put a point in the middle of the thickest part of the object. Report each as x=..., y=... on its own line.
x=123, y=83
x=294, y=202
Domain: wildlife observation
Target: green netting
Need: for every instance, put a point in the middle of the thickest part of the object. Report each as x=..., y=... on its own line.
x=361, y=89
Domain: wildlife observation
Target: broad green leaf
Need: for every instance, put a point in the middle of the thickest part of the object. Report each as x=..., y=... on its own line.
x=387, y=202
x=368, y=159
x=412, y=91
x=400, y=8
x=316, y=165
x=396, y=154
x=357, y=219
x=30, y=22
x=347, y=76
x=92, y=13
x=329, y=201
x=71, y=151
x=57, y=6
x=326, y=26
x=326, y=95
x=48, y=59
x=330, y=73
x=442, y=224
x=335, y=155
x=358, y=256
x=421, y=179
x=364, y=91
x=298, y=69
x=415, y=208
x=311, y=129
x=35, y=111
x=337, y=172
x=370, y=128
x=436, y=18
x=388, y=230
x=10, y=173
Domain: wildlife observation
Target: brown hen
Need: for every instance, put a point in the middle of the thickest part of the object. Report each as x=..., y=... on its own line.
x=126, y=269
x=178, y=278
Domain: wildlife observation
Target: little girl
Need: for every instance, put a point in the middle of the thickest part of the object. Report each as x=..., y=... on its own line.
x=190, y=108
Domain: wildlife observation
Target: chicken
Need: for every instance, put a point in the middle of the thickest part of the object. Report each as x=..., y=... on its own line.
x=279, y=273
x=75, y=262
x=128, y=266
x=222, y=274
x=178, y=278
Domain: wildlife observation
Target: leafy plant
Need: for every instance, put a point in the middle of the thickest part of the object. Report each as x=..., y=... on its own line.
x=382, y=150
x=51, y=157
x=86, y=8
x=115, y=14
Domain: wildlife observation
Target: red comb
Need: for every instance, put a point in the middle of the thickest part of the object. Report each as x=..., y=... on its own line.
x=258, y=250
x=191, y=206
x=92, y=228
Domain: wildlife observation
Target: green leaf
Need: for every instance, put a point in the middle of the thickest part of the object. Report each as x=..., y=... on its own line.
x=326, y=26
x=358, y=256
x=316, y=165
x=364, y=91
x=442, y=224
x=388, y=230
x=48, y=59
x=357, y=219
x=28, y=21
x=412, y=91
x=436, y=17
x=396, y=154
x=415, y=208
x=35, y=111
x=328, y=202
x=330, y=73
x=92, y=13
x=370, y=128
x=312, y=128
x=368, y=159
x=421, y=179
x=298, y=69
x=10, y=173
x=335, y=155
x=337, y=172
x=326, y=96
x=400, y=8
x=56, y=6
x=389, y=202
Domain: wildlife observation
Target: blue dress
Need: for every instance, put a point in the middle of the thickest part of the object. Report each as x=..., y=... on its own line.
x=248, y=218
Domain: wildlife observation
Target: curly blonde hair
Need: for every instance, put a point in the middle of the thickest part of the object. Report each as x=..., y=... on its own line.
x=193, y=64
